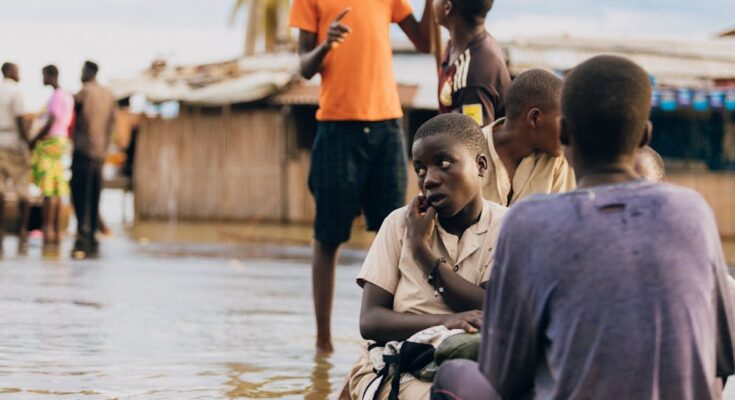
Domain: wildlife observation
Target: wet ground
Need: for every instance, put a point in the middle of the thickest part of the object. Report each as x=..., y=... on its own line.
x=152, y=320
x=165, y=314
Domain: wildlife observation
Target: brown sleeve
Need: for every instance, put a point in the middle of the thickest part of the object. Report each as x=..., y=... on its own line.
x=469, y=99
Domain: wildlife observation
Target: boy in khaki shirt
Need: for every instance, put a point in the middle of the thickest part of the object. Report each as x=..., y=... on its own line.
x=524, y=147
x=449, y=231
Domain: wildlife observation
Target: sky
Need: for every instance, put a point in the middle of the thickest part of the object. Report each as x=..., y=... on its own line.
x=124, y=37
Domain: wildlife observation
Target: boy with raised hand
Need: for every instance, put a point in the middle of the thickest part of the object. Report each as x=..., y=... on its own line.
x=358, y=161
x=448, y=233
x=524, y=147
x=473, y=76
x=617, y=290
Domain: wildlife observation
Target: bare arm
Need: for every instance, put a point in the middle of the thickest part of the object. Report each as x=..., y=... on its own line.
x=311, y=55
x=380, y=323
x=22, y=129
x=45, y=130
x=460, y=294
x=419, y=32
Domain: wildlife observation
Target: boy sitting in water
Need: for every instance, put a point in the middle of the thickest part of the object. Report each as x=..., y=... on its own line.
x=473, y=77
x=525, y=150
x=449, y=231
x=617, y=290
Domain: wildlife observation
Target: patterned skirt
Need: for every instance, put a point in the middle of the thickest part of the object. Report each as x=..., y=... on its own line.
x=48, y=168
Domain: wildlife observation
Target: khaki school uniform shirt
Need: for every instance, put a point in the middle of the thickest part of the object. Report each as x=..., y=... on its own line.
x=537, y=173
x=391, y=266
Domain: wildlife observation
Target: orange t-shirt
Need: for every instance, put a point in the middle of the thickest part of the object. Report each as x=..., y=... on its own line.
x=358, y=82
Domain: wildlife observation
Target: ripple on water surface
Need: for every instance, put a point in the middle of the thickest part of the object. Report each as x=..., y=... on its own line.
x=140, y=324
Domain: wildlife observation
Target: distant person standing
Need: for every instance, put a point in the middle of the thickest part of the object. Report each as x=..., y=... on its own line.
x=95, y=107
x=14, y=146
x=358, y=161
x=51, y=144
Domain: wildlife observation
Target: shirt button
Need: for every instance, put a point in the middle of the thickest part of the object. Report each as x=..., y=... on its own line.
x=366, y=130
x=456, y=268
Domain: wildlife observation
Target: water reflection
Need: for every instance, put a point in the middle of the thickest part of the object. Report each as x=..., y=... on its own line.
x=150, y=323
x=321, y=387
x=246, y=381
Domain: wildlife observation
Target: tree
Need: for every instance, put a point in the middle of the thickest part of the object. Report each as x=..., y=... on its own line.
x=266, y=19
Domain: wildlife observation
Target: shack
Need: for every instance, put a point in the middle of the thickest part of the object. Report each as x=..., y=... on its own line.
x=238, y=150
x=239, y=147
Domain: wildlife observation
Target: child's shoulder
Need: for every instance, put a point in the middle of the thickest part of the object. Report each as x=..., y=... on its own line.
x=486, y=59
x=397, y=219
x=497, y=210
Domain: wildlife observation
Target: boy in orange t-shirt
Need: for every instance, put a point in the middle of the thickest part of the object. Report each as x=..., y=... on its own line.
x=358, y=161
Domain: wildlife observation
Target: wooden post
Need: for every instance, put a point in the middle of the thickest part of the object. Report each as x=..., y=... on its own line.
x=437, y=46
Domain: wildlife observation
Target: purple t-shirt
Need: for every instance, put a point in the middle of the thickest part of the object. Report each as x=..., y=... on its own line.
x=614, y=292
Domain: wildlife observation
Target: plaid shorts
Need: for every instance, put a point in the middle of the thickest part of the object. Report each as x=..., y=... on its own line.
x=356, y=166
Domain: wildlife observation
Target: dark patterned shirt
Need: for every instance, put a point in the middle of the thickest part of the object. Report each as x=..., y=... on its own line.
x=475, y=84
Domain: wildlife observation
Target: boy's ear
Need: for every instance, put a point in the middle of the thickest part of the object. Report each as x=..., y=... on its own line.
x=448, y=7
x=532, y=116
x=482, y=164
x=647, y=135
x=563, y=131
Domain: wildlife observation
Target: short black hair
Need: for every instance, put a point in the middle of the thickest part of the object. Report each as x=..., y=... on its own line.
x=7, y=67
x=473, y=11
x=650, y=164
x=91, y=67
x=533, y=88
x=606, y=104
x=51, y=71
x=460, y=127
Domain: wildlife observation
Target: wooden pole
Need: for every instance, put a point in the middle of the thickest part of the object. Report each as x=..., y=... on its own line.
x=437, y=46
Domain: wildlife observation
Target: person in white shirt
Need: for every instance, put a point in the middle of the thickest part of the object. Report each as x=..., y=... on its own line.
x=14, y=151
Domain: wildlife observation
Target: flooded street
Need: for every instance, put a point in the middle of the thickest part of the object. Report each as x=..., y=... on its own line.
x=170, y=319
x=164, y=321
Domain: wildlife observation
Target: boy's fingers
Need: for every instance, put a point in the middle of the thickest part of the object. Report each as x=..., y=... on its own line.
x=339, y=29
x=467, y=327
x=431, y=212
x=414, y=206
x=342, y=14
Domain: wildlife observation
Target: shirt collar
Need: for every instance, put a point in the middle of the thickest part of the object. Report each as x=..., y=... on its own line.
x=479, y=227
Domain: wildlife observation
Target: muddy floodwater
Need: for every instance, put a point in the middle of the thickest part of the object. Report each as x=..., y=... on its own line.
x=163, y=319
x=151, y=320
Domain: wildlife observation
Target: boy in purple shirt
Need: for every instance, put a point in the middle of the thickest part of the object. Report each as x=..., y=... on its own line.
x=617, y=290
